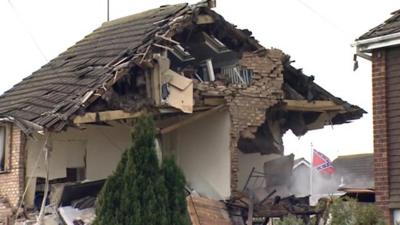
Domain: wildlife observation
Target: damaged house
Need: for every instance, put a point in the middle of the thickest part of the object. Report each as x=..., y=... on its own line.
x=221, y=102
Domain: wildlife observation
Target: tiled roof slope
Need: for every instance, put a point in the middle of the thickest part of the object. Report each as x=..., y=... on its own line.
x=360, y=166
x=54, y=92
x=390, y=26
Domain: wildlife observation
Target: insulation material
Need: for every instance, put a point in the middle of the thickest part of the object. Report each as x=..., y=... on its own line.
x=180, y=92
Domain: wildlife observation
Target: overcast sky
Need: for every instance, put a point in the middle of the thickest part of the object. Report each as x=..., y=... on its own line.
x=317, y=34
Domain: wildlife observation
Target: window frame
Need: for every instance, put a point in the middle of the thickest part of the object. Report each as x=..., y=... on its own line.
x=7, y=148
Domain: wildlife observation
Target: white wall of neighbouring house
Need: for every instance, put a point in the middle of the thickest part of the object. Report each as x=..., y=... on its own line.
x=201, y=149
x=96, y=148
x=249, y=160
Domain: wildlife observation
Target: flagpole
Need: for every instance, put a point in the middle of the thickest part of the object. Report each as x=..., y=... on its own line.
x=311, y=169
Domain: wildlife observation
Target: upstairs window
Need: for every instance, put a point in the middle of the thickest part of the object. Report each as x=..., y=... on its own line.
x=4, y=150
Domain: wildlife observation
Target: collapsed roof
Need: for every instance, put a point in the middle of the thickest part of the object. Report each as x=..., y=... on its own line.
x=70, y=84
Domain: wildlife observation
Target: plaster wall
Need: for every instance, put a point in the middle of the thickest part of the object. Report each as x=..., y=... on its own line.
x=98, y=149
x=202, y=151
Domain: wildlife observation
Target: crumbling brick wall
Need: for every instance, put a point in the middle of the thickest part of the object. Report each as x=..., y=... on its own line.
x=381, y=160
x=248, y=106
x=12, y=180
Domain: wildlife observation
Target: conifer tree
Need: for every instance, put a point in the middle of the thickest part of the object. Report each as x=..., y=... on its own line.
x=135, y=194
x=175, y=184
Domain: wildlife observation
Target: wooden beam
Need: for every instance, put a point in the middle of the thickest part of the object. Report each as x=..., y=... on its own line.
x=169, y=110
x=106, y=116
x=191, y=119
x=313, y=106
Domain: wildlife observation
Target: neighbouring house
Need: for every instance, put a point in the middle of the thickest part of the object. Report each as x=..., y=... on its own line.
x=300, y=182
x=381, y=46
x=221, y=102
x=355, y=171
x=352, y=173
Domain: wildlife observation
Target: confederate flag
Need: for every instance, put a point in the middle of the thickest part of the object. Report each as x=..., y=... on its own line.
x=322, y=163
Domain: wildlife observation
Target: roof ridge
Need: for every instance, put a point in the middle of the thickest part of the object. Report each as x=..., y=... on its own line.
x=138, y=15
x=354, y=155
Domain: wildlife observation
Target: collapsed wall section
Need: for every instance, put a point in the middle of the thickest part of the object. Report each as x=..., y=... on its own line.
x=248, y=106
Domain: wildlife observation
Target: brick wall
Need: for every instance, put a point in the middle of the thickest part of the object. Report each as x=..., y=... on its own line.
x=12, y=181
x=248, y=105
x=381, y=162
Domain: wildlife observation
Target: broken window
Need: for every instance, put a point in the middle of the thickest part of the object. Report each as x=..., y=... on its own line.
x=237, y=74
x=3, y=149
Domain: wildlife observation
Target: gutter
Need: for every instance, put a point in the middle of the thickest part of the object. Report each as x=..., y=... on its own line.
x=367, y=45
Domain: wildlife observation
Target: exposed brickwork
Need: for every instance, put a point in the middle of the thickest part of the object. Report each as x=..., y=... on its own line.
x=12, y=181
x=249, y=105
x=381, y=161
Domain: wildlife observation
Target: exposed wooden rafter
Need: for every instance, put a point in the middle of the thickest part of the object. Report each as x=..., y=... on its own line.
x=107, y=116
x=190, y=119
x=312, y=106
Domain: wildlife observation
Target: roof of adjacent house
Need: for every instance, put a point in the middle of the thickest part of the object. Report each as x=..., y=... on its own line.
x=358, y=167
x=390, y=26
x=360, y=164
x=54, y=92
x=299, y=161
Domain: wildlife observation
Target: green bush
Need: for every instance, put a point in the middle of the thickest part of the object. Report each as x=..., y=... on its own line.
x=290, y=220
x=351, y=212
x=344, y=212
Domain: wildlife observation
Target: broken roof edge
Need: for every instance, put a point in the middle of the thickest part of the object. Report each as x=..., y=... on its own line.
x=352, y=112
x=27, y=127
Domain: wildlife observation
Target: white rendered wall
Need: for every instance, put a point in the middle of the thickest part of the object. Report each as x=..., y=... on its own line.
x=202, y=151
x=98, y=148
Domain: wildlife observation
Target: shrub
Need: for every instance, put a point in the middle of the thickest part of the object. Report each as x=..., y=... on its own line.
x=290, y=220
x=175, y=184
x=351, y=212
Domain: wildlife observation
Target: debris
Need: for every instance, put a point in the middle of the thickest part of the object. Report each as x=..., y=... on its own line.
x=205, y=211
